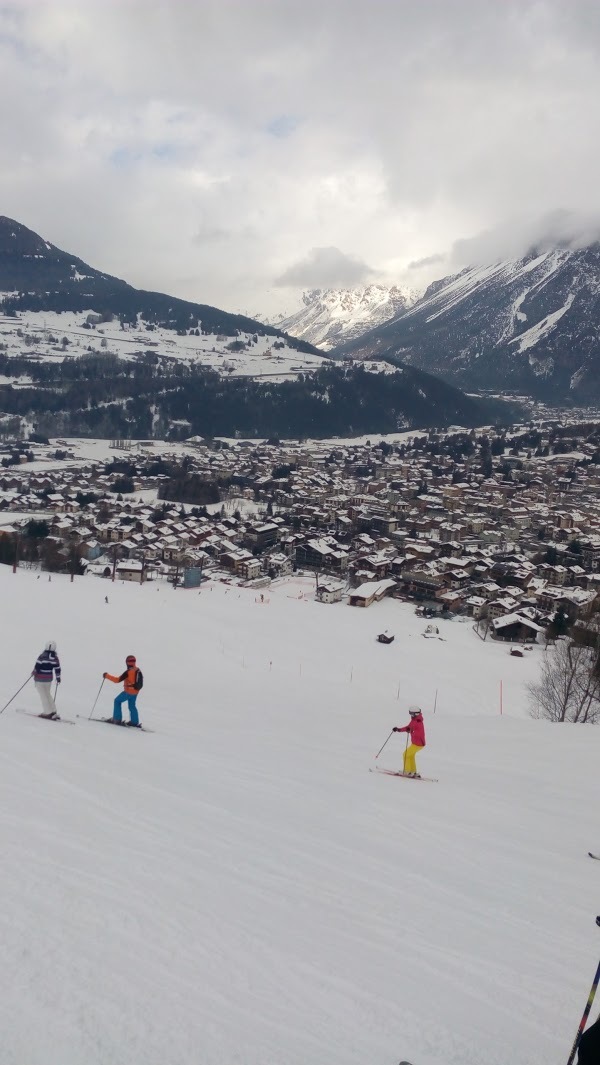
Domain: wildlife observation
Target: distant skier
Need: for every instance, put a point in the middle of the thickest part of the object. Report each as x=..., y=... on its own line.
x=45, y=669
x=416, y=731
x=133, y=680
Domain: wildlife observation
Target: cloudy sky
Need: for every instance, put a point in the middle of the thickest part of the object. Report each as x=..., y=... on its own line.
x=238, y=151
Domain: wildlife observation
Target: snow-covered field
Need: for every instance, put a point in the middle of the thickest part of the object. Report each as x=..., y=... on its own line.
x=42, y=333
x=237, y=888
x=91, y=450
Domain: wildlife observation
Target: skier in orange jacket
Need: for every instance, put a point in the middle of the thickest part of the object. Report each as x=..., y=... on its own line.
x=132, y=685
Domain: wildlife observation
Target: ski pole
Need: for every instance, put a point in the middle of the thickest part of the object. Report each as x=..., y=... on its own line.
x=15, y=695
x=381, y=748
x=586, y=1014
x=96, y=700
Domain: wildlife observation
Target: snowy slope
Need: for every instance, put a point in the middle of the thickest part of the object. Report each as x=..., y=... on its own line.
x=530, y=324
x=329, y=317
x=237, y=889
x=41, y=335
x=52, y=302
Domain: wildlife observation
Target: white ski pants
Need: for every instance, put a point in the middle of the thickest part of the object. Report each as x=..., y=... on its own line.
x=42, y=687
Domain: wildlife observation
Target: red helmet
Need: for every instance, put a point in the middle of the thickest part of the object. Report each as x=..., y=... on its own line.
x=130, y=660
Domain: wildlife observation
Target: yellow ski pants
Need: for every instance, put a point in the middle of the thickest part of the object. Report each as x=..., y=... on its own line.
x=410, y=766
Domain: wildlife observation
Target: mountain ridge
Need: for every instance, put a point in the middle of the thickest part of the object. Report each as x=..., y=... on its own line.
x=36, y=275
x=99, y=357
x=328, y=317
x=529, y=324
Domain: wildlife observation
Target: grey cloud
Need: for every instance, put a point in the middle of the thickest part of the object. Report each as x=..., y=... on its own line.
x=428, y=260
x=419, y=126
x=207, y=233
x=517, y=236
x=326, y=268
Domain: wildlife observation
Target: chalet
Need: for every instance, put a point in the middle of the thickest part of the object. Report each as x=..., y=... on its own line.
x=329, y=592
x=515, y=628
x=320, y=554
x=132, y=570
x=90, y=549
x=421, y=583
x=372, y=591
x=277, y=564
x=261, y=536
x=501, y=607
x=476, y=606
x=451, y=600
x=250, y=568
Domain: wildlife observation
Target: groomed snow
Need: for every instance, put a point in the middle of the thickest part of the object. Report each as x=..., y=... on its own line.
x=237, y=888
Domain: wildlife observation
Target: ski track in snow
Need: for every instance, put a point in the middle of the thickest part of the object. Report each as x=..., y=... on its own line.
x=238, y=889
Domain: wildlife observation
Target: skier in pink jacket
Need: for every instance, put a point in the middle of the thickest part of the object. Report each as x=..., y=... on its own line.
x=416, y=731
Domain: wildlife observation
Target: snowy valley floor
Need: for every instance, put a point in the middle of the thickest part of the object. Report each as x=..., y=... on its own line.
x=237, y=888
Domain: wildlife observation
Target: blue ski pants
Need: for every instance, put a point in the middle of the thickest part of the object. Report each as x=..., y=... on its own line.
x=124, y=697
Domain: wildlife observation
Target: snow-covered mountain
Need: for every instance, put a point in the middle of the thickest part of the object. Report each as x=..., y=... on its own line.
x=51, y=301
x=531, y=324
x=56, y=310
x=328, y=317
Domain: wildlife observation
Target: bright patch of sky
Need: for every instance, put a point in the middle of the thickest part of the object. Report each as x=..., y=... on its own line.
x=282, y=126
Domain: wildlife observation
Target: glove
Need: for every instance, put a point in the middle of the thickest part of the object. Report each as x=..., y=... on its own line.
x=58, y=680
x=105, y=675
x=396, y=730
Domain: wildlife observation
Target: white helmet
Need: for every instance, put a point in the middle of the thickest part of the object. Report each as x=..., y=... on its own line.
x=414, y=710
x=50, y=646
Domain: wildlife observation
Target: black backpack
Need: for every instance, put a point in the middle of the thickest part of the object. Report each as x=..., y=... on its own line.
x=139, y=680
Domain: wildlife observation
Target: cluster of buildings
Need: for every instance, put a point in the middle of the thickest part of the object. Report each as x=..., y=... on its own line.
x=508, y=539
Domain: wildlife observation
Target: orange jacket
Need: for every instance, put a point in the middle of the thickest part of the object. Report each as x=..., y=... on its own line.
x=128, y=677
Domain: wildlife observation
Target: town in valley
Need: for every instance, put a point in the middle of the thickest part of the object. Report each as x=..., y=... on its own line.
x=501, y=526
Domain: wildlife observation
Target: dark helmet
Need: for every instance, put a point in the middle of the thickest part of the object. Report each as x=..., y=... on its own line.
x=130, y=660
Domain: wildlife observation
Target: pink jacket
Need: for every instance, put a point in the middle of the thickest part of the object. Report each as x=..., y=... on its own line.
x=416, y=729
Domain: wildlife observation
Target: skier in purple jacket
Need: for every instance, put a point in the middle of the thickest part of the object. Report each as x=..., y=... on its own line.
x=47, y=667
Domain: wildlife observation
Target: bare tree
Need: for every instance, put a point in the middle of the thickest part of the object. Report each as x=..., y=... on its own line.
x=483, y=626
x=568, y=688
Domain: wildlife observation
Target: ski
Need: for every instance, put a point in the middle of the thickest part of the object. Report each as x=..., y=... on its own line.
x=59, y=719
x=398, y=773
x=596, y=856
x=123, y=724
